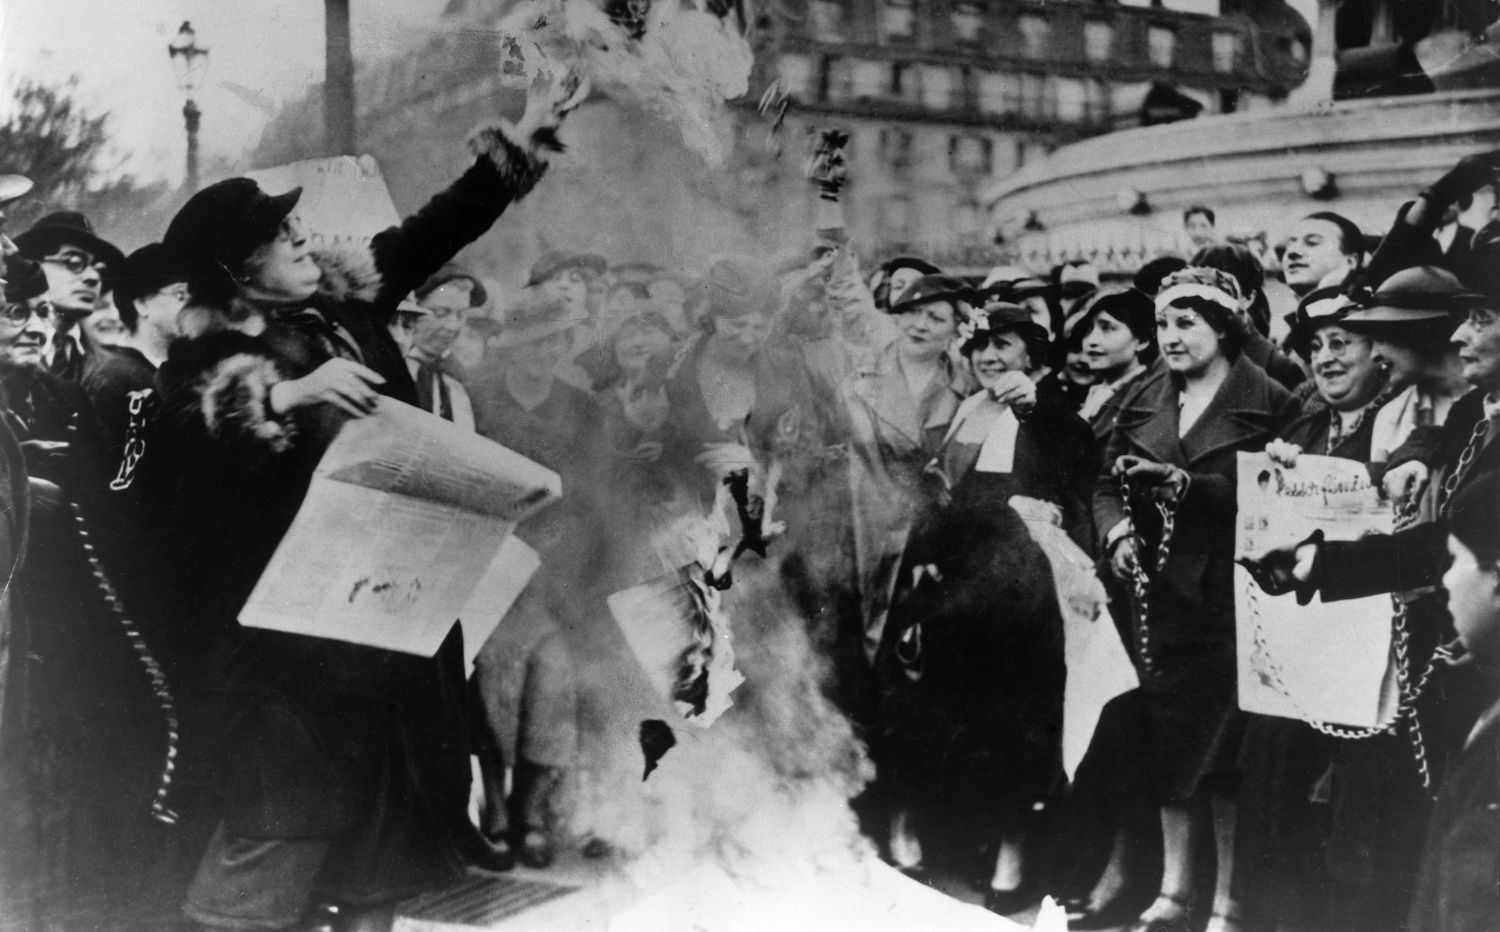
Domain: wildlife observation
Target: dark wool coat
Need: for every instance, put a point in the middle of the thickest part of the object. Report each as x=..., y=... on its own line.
x=1188, y=687
x=300, y=736
x=1416, y=557
x=976, y=721
x=1458, y=889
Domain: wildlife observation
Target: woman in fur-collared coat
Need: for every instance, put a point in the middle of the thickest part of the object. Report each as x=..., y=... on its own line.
x=340, y=772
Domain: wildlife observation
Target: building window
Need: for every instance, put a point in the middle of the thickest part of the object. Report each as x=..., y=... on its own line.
x=896, y=149
x=1226, y=48
x=903, y=81
x=940, y=88
x=971, y=155
x=968, y=20
x=994, y=92
x=827, y=20
x=835, y=80
x=1038, y=96
x=898, y=19
x=1097, y=108
x=1070, y=100
x=1098, y=40
x=870, y=79
x=1035, y=33
x=1161, y=45
x=796, y=75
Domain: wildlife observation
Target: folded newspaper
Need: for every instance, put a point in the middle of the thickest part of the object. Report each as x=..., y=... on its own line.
x=405, y=529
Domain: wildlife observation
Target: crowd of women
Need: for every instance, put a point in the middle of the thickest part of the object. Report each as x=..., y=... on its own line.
x=949, y=473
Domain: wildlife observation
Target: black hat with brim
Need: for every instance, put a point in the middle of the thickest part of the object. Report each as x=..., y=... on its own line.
x=998, y=318
x=1423, y=296
x=24, y=279
x=932, y=288
x=909, y=262
x=225, y=222
x=148, y=270
x=67, y=228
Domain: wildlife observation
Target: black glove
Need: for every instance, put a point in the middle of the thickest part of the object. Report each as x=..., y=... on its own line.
x=1274, y=570
x=1470, y=174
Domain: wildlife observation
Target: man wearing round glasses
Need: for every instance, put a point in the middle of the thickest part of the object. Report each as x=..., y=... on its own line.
x=74, y=259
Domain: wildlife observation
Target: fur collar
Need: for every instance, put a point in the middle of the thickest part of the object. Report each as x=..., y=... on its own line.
x=349, y=273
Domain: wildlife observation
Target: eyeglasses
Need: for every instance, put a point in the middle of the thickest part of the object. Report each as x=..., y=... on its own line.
x=1481, y=317
x=1338, y=347
x=20, y=313
x=75, y=262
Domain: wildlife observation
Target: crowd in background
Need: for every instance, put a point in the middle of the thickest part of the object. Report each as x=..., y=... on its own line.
x=955, y=467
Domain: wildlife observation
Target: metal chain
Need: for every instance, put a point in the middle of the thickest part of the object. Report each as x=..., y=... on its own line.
x=1140, y=580
x=159, y=686
x=1471, y=449
x=135, y=441
x=1408, y=691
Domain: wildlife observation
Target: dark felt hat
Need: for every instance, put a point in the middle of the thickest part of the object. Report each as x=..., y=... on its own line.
x=909, y=262
x=147, y=270
x=225, y=222
x=1420, y=293
x=552, y=264
x=67, y=228
x=931, y=288
x=24, y=279
x=998, y=317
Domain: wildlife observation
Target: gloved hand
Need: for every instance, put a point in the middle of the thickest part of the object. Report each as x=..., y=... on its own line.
x=1288, y=569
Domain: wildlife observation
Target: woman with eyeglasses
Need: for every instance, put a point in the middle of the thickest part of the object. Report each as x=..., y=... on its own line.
x=1165, y=506
x=1281, y=841
x=971, y=664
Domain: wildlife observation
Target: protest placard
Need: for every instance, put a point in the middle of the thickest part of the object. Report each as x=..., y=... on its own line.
x=1324, y=662
x=403, y=521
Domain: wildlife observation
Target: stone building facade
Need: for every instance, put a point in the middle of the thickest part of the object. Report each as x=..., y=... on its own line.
x=942, y=98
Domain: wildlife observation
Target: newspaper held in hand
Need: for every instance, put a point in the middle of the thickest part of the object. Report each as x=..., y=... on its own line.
x=1323, y=662
x=402, y=522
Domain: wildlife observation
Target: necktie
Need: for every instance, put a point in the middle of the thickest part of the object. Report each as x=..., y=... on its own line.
x=431, y=385
x=63, y=355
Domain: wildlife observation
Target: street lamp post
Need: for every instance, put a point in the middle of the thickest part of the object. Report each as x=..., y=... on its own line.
x=189, y=62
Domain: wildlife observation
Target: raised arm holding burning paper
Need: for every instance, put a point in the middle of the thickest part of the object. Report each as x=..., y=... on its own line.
x=299, y=734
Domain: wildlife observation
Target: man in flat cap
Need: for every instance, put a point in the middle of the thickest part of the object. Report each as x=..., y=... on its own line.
x=74, y=259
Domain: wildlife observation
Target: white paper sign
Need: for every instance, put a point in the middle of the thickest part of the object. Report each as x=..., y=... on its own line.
x=344, y=199
x=1323, y=662
x=402, y=523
